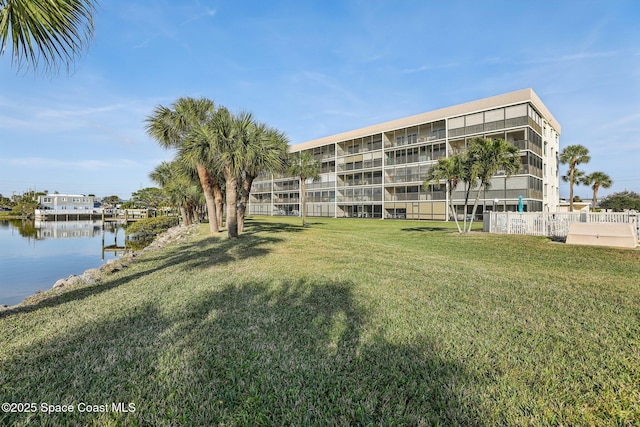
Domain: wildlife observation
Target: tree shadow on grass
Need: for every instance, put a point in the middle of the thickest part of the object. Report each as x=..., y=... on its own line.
x=252, y=353
x=426, y=229
x=253, y=226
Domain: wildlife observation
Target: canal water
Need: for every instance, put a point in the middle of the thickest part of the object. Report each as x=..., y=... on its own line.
x=35, y=254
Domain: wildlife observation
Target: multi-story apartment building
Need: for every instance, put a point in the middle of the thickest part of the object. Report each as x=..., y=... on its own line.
x=378, y=171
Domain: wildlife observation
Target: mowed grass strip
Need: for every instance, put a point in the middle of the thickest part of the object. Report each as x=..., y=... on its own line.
x=346, y=322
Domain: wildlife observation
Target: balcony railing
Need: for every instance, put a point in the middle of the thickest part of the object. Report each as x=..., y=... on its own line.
x=367, y=164
x=401, y=197
x=367, y=181
x=292, y=187
x=352, y=199
x=527, y=145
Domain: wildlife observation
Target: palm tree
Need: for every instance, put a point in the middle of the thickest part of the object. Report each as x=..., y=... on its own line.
x=267, y=152
x=54, y=31
x=201, y=154
x=449, y=169
x=230, y=135
x=597, y=180
x=573, y=155
x=181, y=185
x=305, y=167
x=180, y=127
x=489, y=156
x=578, y=178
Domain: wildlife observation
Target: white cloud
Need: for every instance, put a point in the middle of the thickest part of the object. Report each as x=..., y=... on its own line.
x=78, y=112
x=429, y=67
x=574, y=57
x=206, y=13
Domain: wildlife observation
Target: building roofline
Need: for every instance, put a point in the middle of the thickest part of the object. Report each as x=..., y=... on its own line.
x=511, y=98
x=63, y=195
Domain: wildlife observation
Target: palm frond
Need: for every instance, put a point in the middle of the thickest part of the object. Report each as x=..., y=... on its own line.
x=53, y=32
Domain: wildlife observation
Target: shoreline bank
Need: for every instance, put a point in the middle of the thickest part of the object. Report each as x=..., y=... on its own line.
x=96, y=275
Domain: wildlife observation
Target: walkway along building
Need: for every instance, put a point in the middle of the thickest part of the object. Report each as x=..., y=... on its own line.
x=378, y=171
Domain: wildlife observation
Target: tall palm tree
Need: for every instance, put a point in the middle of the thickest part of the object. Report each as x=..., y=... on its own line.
x=305, y=167
x=53, y=31
x=449, y=169
x=597, y=180
x=180, y=127
x=573, y=155
x=267, y=152
x=201, y=154
x=489, y=156
x=230, y=135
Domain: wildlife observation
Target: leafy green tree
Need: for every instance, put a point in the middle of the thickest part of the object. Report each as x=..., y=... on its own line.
x=27, y=203
x=597, y=180
x=305, y=167
x=53, y=31
x=5, y=201
x=488, y=157
x=621, y=201
x=450, y=170
x=111, y=200
x=573, y=155
x=180, y=127
x=150, y=197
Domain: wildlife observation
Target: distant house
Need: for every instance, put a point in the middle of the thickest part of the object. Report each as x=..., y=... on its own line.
x=66, y=202
x=563, y=206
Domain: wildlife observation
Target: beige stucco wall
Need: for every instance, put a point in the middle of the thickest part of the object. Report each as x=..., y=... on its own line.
x=602, y=234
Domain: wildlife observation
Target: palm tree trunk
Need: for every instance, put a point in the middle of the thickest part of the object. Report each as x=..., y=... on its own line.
x=571, y=188
x=473, y=211
x=455, y=217
x=219, y=202
x=192, y=215
x=453, y=209
x=466, y=203
x=232, y=207
x=244, y=200
x=183, y=214
x=205, y=182
x=595, y=197
x=303, y=200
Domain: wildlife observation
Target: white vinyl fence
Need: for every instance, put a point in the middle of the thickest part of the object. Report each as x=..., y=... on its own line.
x=550, y=224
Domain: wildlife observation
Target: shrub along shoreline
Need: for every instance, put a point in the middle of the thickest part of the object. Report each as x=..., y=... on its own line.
x=343, y=322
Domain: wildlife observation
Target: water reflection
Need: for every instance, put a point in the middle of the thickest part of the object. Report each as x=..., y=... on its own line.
x=34, y=254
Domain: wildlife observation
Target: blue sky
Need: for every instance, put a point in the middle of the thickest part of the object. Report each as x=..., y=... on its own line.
x=316, y=68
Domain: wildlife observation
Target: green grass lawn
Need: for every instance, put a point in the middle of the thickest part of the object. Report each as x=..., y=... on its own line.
x=346, y=322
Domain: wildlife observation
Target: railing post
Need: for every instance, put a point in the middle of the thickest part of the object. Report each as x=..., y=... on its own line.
x=492, y=222
x=508, y=224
